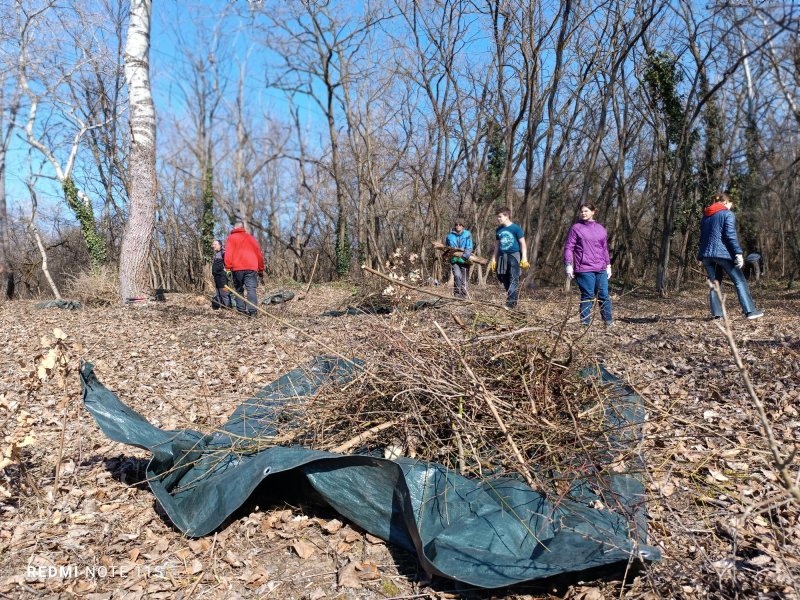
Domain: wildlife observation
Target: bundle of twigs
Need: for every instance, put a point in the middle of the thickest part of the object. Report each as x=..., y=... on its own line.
x=450, y=251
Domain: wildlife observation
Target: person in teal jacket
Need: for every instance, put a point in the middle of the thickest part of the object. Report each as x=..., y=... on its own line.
x=460, y=238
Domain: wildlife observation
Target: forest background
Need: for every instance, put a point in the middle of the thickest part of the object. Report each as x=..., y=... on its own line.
x=343, y=130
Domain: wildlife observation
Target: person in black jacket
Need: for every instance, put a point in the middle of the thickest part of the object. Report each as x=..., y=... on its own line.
x=753, y=265
x=223, y=296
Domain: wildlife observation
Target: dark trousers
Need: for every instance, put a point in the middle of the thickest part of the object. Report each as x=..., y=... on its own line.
x=508, y=274
x=246, y=281
x=223, y=298
x=460, y=278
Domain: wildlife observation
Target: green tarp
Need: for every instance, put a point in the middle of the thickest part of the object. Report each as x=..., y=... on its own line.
x=65, y=304
x=278, y=297
x=488, y=533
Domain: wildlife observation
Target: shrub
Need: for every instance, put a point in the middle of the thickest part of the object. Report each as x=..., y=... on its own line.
x=98, y=286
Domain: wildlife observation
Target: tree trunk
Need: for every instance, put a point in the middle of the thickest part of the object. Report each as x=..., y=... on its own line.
x=43, y=252
x=5, y=259
x=136, y=241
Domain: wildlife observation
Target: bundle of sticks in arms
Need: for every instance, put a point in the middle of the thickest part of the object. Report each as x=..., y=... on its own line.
x=450, y=251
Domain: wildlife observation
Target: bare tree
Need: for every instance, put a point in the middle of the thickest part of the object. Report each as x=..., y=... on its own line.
x=34, y=232
x=10, y=100
x=318, y=46
x=40, y=61
x=133, y=274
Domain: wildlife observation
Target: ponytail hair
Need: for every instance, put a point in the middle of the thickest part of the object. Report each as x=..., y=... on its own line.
x=721, y=197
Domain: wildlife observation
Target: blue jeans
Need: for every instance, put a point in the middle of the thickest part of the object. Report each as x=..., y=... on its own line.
x=460, y=277
x=715, y=267
x=246, y=281
x=594, y=285
x=510, y=279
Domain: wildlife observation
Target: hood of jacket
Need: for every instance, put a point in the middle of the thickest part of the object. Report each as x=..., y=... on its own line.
x=714, y=208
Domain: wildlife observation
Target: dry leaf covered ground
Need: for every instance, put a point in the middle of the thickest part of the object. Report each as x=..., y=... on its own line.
x=77, y=519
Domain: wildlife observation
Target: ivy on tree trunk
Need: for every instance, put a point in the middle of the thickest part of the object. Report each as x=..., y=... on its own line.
x=342, y=247
x=95, y=244
x=207, y=221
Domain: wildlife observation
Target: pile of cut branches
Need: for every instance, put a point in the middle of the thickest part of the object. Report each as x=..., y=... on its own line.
x=508, y=402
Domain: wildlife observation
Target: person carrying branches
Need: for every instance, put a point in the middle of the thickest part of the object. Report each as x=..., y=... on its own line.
x=720, y=253
x=510, y=255
x=462, y=239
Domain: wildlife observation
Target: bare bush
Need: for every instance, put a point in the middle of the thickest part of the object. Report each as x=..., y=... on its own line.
x=95, y=287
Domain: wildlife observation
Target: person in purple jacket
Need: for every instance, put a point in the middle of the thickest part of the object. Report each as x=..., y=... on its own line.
x=587, y=261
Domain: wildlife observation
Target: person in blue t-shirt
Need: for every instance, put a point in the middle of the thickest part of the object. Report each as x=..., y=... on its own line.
x=510, y=254
x=460, y=238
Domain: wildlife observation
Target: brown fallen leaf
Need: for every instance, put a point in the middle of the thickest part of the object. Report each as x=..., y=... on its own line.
x=233, y=559
x=348, y=577
x=268, y=522
x=667, y=488
x=716, y=475
x=352, y=536
x=256, y=577
x=332, y=526
x=303, y=548
x=200, y=546
x=196, y=567
x=760, y=560
x=368, y=571
x=592, y=593
x=183, y=553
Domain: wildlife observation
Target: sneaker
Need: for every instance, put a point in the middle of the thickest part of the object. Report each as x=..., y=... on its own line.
x=755, y=314
x=609, y=324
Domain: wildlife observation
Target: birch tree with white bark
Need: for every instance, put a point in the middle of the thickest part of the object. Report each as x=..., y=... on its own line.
x=133, y=273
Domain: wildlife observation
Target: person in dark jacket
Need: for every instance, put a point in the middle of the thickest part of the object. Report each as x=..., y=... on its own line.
x=460, y=238
x=720, y=253
x=587, y=261
x=753, y=266
x=223, y=296
x=244, y=258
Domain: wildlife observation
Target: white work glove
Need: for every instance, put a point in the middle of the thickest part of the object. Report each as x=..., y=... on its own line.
x=570, y=272
x=608, y=271
x=739, y=261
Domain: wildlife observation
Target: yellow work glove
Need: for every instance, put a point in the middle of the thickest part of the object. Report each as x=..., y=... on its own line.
x=524, y=264
x=492, y=266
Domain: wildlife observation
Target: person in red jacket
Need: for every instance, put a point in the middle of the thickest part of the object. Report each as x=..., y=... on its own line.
x=244, y=259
